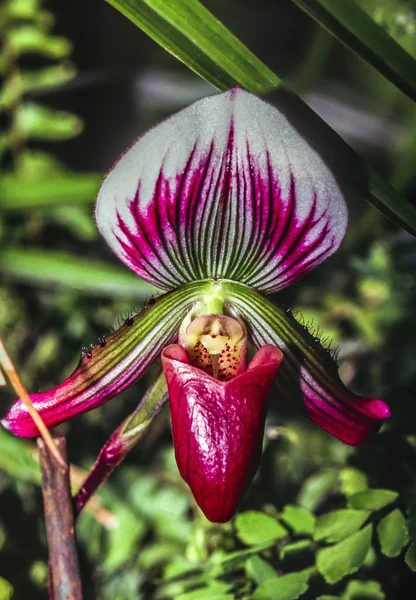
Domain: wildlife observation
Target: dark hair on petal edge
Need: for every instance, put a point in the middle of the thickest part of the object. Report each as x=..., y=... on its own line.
x=316, y=333
x=122, y=319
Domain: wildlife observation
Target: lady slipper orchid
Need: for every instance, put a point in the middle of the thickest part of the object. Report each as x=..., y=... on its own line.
x=220, y=204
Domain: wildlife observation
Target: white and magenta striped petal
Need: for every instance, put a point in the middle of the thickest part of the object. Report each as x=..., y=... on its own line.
x=225, y=188
x=308, y=371
x=109, y=368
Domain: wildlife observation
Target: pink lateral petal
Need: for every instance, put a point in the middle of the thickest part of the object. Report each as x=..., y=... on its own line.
x=308, y=372
x=109, y=368
x=217, y=427
x=348, y=417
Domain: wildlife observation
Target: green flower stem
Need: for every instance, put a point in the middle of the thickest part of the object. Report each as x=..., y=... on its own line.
x=123, y=440
x=214, y=300
x=128, y=434
x=136, y=424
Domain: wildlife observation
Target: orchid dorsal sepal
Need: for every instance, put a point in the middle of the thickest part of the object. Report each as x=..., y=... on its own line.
x=226, y=188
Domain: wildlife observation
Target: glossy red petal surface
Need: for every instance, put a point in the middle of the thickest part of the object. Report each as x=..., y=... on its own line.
x=217, y=427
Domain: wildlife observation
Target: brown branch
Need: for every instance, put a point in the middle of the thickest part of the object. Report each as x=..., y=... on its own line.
x=64, y=578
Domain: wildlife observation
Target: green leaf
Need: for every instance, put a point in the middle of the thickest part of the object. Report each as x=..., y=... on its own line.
x=258, y=528
x=259, y=570
x=187, y=30
x=328, y=598
x=6, y=589
x=285, y=587
x=339, y=524
x=352, y=481
x=395, y=207
x=51, y=76
x=155, y=555
x=67, y=188
x=392, y=533
x=299, y=519
x=348, y=22
x=190, y=32
x=29, y=38
x=335, y=562
x=363, y=590
x=203, y=594
x=410, y=556
x=372, y=499
x=165, y=506
x=58, y=268
x=41, y=123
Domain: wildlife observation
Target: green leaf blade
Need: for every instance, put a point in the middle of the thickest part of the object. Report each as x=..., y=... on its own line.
x=254, y=527
x=285, y=587
x=59, y=268
x=339, y=524
x=392, y=533
x=259, y=570
x=359, y=590
x=191, y=33
x=372, y=499
x=299, y=519
x=346, y=557
x=350, y=24
x=410, y=557
x=66, y=188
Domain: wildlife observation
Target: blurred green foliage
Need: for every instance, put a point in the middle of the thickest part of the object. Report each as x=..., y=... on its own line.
x=321, y=520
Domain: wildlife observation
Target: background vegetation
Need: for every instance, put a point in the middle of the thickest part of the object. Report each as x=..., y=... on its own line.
x=321, y=520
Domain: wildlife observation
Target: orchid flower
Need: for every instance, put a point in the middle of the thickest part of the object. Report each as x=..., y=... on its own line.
x=219, y=205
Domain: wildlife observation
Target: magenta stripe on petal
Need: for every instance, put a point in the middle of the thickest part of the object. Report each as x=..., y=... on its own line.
x=224, y=188
x=348, y=417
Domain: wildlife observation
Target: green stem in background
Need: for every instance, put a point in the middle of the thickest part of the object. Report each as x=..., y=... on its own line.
x=192, y=34
x=123, y=440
